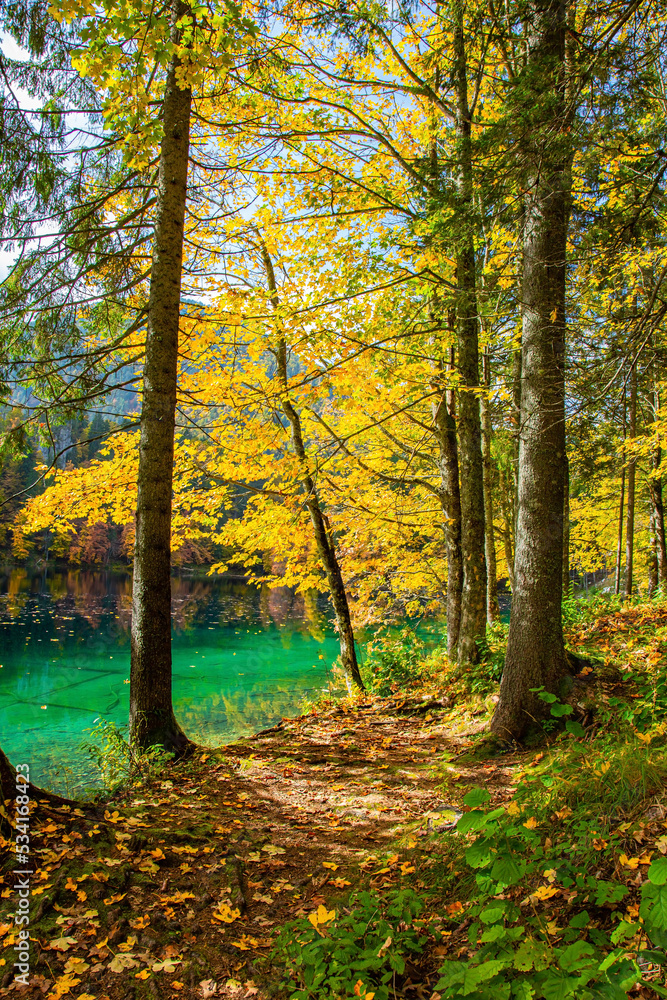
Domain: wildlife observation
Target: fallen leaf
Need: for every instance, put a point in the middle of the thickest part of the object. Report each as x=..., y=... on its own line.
x=121, y=962
x=225, y=913
x=61, y=943
x=273, y=849
x=144, y=974
x=246, y=943
x=168, y=965
x=207, y=988
x=116, y=898
x=331, y=865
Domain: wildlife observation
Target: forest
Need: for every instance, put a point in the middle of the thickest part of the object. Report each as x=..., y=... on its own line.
x=361, y=302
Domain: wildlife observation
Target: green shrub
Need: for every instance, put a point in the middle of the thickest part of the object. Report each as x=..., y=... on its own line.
x=394, y=661
x=358, y=952
x=117, y=761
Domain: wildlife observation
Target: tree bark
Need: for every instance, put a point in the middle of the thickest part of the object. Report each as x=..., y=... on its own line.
x=473, y=597
x=9, y=788
x=326, y=546
x=152, y=720
x=444, y=424
x=652, y=557
x=566, y=529
x=658, y=506
x=619, y=541
x=492, y=606
x=630, y=517
x=535, y=652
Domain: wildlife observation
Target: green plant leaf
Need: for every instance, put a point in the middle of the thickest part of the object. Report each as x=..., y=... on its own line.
x=657, y=872
x=576, y=956
x=476, y=974
x=559, y=710
x=473, y=820
x=476, y=797
x=653, y=907
x=547, y=697
x=507, y=870
x=478, y=854
x=574, y=727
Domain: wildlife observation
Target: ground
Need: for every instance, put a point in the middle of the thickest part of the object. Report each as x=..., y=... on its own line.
x=178, y=887
x=178, y=893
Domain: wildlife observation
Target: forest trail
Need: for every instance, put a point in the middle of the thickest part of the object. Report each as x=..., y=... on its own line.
x=177, y=892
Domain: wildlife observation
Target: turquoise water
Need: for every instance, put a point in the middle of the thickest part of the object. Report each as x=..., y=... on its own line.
x=243, y=657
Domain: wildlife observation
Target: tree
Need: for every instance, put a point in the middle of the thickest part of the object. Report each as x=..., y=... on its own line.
x=535, y=652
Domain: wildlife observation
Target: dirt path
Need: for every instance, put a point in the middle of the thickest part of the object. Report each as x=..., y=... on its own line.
x=180, y=890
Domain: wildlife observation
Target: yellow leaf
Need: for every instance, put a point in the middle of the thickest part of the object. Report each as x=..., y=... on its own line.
x=116, y=898
x=513, y=809
x=246, y=943
x=225, y=913
x=144, y=974
x=530, y=823
x=331, y=865
x=321, y=916
x=628, y=862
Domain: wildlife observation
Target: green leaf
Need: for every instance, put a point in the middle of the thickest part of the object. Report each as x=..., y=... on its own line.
x=653, y=907
x=476, y=974
x=580, y=920
x=476, y=797
x=474, y=820
x=506, y=870
x=559, y=988
x=478, y=854
x=529, y=954
x=493, y=913
x=575, y=728
x=576, y=956
x=657, y=872
x=624, y=930
x=558, y=710
x=546, y=696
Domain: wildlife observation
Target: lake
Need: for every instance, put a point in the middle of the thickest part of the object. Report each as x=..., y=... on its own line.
x=243, y=657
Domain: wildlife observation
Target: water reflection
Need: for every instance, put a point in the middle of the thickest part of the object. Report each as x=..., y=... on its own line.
x=243, y=657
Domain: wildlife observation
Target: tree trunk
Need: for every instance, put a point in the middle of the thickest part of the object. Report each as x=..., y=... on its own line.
x=658, y=507
x=9, y=789
x=152, y=720
x=326, y=546
x=444, y=423
x=619, y=541
x=473, y=597
x=492, y=606
x=535, y=652
x=566, y=529
x=652, y=557
x=630, y=517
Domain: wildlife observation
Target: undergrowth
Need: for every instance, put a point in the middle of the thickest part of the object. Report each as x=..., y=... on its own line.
x=560, y=893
